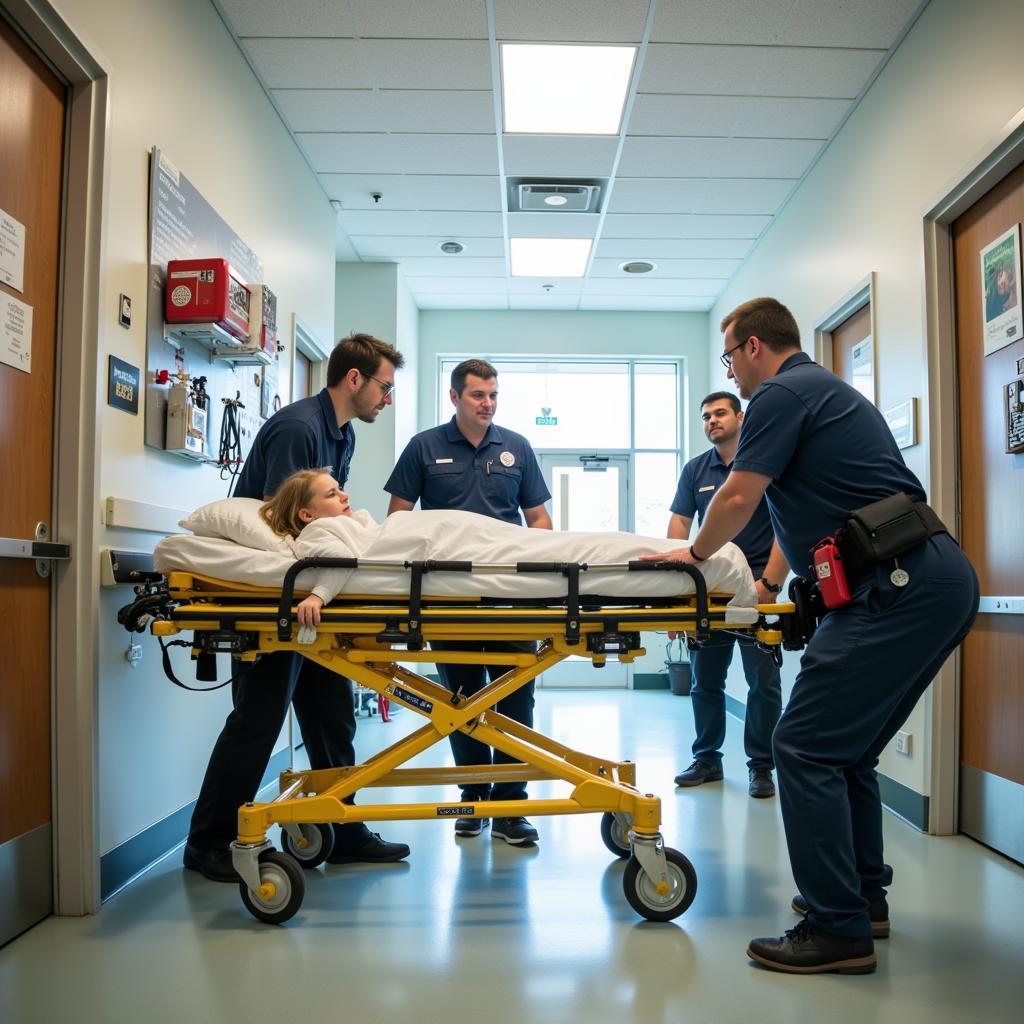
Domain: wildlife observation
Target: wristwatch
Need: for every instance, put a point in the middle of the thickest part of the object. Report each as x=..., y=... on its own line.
x=772, y=588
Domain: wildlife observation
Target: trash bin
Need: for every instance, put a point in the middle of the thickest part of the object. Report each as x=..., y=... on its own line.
x=679, y=679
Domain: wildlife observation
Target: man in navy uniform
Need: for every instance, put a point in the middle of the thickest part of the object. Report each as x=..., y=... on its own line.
x=472, y=464
x=312, y=433
x=818, y=450
x=700, y=480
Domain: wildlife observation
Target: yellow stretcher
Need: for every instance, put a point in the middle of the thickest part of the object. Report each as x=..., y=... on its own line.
x=365, y=638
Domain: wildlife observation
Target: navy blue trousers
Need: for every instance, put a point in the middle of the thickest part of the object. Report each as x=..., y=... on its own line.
x=324, y=708
x=518, y=706
x=764, y=700
x=861, y=675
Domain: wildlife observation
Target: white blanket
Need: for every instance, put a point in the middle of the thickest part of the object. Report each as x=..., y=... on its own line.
x=464, y=536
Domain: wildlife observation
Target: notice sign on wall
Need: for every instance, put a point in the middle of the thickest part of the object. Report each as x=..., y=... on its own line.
x=15, y=333
x=123, y=385
x=1003, y=323
x=12, y=252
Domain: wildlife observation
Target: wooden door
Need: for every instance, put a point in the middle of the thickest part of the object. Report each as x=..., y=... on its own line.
x=32, y=117
x=992, y=502
x=845, y=338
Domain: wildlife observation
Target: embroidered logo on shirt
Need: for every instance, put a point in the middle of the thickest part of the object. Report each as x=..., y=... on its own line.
x=507, y=459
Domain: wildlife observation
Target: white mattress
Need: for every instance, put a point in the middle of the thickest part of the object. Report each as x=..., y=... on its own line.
x=466, y=536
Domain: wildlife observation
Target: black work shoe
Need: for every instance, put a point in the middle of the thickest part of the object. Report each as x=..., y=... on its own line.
x=878, y=911
x=761, y=784
x=805, y=950
x=212, y=864
x=372, y=850
x=516, y=831
x=470, y=827
x=698, y=773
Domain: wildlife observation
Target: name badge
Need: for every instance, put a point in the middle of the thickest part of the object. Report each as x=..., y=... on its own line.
x=701, y=490
x=442, y=462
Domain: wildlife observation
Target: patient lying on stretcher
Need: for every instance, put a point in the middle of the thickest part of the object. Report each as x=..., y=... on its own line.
x=244, y=541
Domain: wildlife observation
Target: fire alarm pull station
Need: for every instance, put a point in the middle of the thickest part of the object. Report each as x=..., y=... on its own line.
x=207, y=301
x=262, y=348
x=186, y=416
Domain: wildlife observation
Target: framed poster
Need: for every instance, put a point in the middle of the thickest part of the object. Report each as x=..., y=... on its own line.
x=1002, y=322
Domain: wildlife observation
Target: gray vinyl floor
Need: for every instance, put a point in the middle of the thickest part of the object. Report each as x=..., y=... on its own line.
x=474, y=930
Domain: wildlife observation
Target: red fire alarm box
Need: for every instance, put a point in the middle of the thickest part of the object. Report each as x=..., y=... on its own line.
x=207, y=291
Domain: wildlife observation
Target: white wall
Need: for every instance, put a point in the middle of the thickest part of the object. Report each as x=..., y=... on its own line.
x=178, y=81
x=944, y=97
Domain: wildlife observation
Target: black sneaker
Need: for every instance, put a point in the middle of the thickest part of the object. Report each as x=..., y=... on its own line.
x=805, y=950
x=761, y=784
x=698, y=773
x=878, y=911
x=363, y=846
x=470, y=827
x=216, y=865
x=516, y=831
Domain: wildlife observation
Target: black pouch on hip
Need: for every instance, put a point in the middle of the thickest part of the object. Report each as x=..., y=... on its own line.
x=890, y=527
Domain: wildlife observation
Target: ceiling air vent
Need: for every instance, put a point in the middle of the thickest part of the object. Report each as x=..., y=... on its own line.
x=556, y=197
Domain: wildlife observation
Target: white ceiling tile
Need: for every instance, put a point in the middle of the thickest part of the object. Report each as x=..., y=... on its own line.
x=665, y=286
x=455, y=192
x=559, y=156
x=453, y=224
x=457, y=285
x=565, y=286
x=621, y=249
x=648, y=303
x=553, y=225
x=757, y=70
x=451, y=266
x=302, y=18
x=551, y=301
x=713, y=158
x=420, y=19
x=338, y=153
x=355, y=191
x=329, y=110
x=694, y=269
x=752, y=117
x=699, y=195
x=681, y=225
x=621, y=21
x=309, y=63
x=395, y=248
x=437, y=111
x=459, y=301
x=865, y=23
x=428, y=63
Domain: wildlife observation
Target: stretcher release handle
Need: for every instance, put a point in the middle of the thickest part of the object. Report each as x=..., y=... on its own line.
x=284, y=608
x=700, y=588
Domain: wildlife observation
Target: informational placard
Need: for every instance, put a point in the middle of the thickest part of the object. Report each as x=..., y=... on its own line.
x=863, y=360
x=1002, y=322
x=1014, y=394
x=902, y=420
x=12, y=252
x=15, y=333
x=123, y=385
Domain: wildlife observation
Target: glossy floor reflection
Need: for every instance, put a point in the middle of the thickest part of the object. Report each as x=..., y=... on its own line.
x=474, y=930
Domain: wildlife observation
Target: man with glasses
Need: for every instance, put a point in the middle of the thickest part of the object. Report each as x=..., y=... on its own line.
x=312, y=433
x=471, y=464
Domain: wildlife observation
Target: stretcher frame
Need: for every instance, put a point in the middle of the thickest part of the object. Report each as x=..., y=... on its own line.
x=367, y=640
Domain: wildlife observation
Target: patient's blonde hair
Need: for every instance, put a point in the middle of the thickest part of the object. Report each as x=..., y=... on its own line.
x=281, y=512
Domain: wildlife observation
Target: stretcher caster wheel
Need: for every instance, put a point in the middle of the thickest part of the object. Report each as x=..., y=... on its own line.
x=282, y=888
x=642, y=891
x=615, y=835
x=315, y=847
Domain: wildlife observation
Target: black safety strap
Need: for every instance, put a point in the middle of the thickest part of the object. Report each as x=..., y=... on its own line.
x=169, y=672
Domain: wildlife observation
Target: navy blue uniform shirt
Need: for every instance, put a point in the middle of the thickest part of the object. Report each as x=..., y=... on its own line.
x=303, y=435
x=700, y=479
x=827, y=449
x=441, y=469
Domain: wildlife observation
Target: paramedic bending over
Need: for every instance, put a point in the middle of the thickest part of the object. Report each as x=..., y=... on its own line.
x=313, y=433
x=818, y=450
x=472, y=464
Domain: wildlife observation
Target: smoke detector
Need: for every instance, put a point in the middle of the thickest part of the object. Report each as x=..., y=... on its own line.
x=533, y=196
x=451, y=248
x=637, y=267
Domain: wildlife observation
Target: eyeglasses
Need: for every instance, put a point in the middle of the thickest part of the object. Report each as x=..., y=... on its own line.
x=387, y=389
x=726, y=357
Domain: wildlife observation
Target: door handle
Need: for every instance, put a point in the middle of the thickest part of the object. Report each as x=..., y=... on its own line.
x=40, y=549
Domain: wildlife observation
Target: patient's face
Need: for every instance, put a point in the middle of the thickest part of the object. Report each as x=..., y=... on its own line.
x=328, y=499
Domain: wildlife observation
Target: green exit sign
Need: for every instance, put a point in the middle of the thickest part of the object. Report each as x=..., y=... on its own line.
x=546, y=421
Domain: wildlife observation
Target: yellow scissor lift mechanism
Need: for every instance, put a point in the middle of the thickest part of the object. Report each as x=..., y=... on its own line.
x=365, y=638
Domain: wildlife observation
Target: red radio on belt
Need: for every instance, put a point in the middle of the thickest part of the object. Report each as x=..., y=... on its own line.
x=830, y=573
x=207, y=291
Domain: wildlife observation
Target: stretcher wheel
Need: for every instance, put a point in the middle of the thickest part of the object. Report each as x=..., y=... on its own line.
x=319, y=844
x=614, y=836
x=645, y=899
x=282, y=888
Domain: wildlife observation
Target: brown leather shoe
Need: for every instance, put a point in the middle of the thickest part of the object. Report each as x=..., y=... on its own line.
x=805, y=950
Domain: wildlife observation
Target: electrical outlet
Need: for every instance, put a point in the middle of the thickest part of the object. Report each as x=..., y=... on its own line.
x=904, y=743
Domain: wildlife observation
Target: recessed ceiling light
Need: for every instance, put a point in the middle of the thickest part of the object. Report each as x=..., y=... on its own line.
x=565, y=90
x=451, y=248
x=549, y=257
x=638, y=267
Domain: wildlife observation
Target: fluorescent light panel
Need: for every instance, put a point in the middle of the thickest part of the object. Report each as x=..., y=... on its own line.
x=550, y=257
x=565, y=90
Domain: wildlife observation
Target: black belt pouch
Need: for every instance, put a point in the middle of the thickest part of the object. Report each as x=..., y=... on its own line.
x=890, y=527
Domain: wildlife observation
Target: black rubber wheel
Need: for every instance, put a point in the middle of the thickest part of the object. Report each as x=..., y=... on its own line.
x=615, y=837
x=319, y=844
x=285, y=887
x=644, y=898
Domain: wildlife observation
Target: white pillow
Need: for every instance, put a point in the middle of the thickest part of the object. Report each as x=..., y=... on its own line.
x=237, y=519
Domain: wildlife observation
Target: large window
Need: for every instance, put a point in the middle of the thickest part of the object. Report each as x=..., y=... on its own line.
x=572, y=410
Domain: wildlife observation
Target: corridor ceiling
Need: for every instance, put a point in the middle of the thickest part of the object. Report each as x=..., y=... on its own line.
x=731, y=102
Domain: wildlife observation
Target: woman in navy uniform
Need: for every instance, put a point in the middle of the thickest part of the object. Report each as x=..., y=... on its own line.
x=818, y=450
